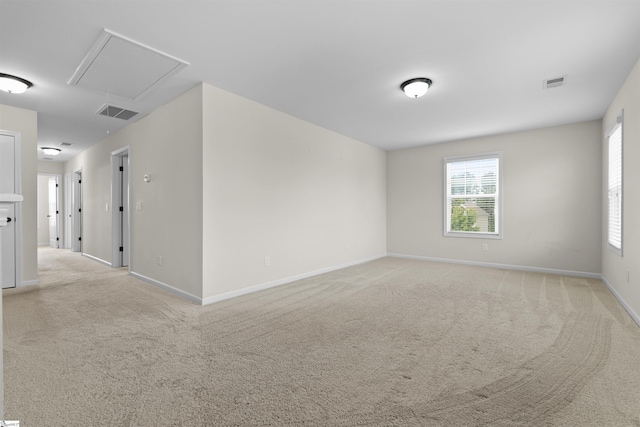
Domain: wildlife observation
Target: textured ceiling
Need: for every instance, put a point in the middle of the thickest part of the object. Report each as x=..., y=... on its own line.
x=338, y=64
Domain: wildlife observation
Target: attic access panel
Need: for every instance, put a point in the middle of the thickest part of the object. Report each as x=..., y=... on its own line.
x=120, y=66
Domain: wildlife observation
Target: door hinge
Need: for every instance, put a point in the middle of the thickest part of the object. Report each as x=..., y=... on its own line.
x=79, y=210
x=121, y=249
x=57, y=239
x=57, y=212
x=79, y=181
x=56, y=185
x=121, y=168
x=80, y=239
x=121, y=209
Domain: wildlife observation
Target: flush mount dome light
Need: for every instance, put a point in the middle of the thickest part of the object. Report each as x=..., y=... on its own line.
x=13, y=84
x=417, y=87
x=50, y=151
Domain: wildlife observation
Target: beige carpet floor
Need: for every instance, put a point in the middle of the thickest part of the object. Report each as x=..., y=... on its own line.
x=393, y=342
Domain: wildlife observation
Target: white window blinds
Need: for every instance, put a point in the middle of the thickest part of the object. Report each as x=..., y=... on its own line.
x=615, y=186
x=472, y=189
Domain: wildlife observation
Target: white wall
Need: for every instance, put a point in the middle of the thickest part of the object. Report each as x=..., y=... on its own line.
x=614, y=267
x=26, y=122
x=50, y=167
x=233, y=181
x=281, y=187
x=552, y=197
x=167, y=144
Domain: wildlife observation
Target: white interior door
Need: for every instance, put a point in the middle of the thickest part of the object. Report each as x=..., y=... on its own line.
x=120, y=231
x=7, y=164
x=8, y=249
x=68, y=228
x=125, y=211
x=53, y=213
x=8, y=242
x=76, y=245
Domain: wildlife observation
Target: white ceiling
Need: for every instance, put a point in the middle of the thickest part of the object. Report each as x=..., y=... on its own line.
x=336, y=63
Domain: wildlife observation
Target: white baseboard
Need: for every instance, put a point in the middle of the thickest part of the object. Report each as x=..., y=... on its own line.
x=101, y=261
x=166, y=287
x=26, y=283
x=624, y=304
x=284, y=281
x=501, y=266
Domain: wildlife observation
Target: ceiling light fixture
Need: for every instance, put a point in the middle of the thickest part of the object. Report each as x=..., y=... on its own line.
x=13, y=84
x=417, y=87
x=50, y=151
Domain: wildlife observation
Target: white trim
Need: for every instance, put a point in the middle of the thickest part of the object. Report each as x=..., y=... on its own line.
x=166, y=287
x=116, y=195
x=101, y=261
x=29, y=282
x=627, y=307
x=501, y=266
x=498, y=209
x=284, y=281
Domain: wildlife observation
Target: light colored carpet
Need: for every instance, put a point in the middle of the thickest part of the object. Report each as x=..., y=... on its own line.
x=393, y=342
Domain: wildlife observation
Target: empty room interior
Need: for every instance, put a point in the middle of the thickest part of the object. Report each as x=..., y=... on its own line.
x=320, y=213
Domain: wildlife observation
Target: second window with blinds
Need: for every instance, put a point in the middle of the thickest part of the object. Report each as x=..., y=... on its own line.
x=614, y=181
x=473, y=204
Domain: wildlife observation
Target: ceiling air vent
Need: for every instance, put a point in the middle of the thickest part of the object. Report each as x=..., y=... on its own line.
x=66, y=144
x=113, y=111
x=555, y=82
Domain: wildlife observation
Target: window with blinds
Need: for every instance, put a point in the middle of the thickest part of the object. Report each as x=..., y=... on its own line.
x=614, y=183
x=472, y=191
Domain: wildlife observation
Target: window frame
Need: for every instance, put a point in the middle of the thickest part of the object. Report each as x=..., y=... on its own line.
x=618, y=124
x=499, y=216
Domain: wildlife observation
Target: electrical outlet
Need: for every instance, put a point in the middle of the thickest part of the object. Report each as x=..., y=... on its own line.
x=159, y=259
x=267, y=261
x=106, y=207
x=485, y=246
x=628, y=276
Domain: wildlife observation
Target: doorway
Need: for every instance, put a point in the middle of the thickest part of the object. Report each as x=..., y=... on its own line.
x=76, y=218
x=49, y=210
x=120, y=208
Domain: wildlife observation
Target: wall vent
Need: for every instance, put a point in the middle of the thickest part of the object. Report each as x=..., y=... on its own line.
x=555, y=82
x=118, y=112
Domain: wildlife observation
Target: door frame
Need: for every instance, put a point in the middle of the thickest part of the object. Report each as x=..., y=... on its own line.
x=119, y=237
x=67, y=211
x=59, y=209
x=76, y=217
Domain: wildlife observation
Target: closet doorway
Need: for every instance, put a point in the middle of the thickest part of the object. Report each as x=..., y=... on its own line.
x=49, y=210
